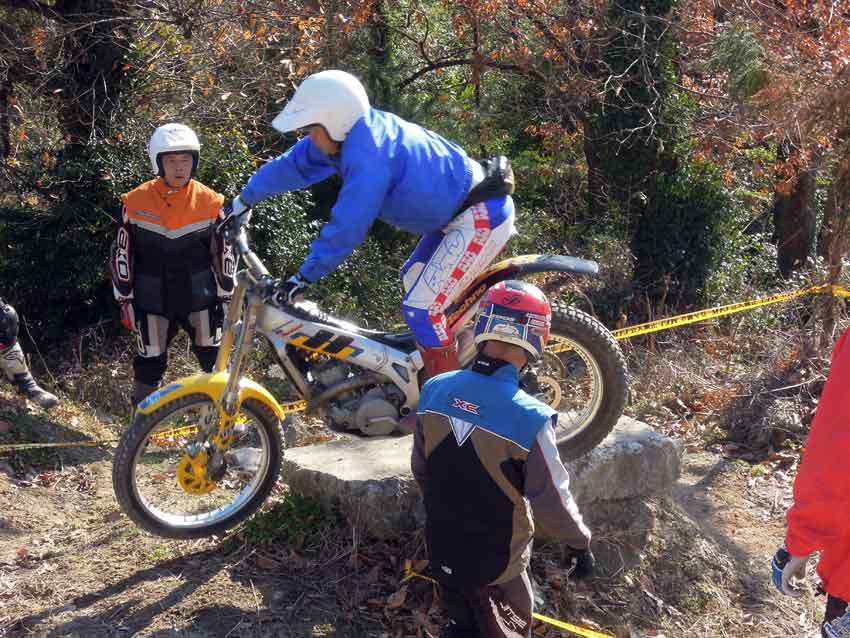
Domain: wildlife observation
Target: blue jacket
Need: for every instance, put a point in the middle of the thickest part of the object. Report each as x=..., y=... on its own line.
x=391, y=170
x=486, y=459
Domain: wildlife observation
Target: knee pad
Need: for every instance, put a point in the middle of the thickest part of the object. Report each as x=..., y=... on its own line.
x=8, y=325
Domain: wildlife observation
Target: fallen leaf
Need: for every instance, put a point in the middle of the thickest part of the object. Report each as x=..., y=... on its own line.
x=397, y=599
x=22, y=553
x=420, y=566
x=264, y=562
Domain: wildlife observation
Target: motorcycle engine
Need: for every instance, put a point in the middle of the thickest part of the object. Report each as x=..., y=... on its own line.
x=373, y=412
x=328, y=373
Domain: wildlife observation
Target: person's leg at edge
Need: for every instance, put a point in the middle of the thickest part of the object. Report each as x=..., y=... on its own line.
x=462, y=623
x=442, y=265
x=835, y=608
x=14, y=367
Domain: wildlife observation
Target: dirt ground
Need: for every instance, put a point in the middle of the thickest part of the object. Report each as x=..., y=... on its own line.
x=694, y=563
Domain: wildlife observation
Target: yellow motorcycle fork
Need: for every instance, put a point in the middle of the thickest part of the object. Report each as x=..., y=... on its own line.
x=193, y=473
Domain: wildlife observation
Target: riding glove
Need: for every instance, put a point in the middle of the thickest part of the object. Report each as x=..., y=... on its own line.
x=128, y=316
x=785, y=567
x=287, y=292
x=580, y=562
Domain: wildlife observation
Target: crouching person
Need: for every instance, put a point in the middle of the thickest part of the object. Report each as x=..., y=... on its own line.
x=485, y=458
x=819, y=520
x=12, y=362
x=169, y=267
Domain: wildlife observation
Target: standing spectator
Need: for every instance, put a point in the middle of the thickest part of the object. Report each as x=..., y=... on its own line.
x=169, y=267
x=12, y=362
x=819, y=520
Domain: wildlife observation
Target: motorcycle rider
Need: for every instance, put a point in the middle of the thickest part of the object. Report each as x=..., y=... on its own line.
x=819, y=520
x=485, y=459
x=403, y=174
x=169, y=268
x=12, y=362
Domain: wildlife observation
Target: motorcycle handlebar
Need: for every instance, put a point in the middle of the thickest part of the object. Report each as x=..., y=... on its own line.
x=255, y=266
x=232, y=228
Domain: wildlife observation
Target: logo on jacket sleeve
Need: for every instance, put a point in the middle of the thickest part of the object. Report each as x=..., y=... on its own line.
x=466, y=406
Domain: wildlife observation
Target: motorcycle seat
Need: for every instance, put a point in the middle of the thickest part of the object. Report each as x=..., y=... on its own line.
x=404, y=340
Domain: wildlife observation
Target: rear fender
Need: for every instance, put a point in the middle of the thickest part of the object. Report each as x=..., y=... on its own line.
x=516, y=268
x=213, y=386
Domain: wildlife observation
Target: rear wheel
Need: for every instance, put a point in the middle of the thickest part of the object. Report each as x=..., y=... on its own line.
x=582, y=374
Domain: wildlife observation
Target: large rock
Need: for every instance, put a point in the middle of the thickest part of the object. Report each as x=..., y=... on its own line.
x=634, y=461
x=370, y=479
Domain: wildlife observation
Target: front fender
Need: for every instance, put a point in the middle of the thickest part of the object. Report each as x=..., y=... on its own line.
x=213, y=386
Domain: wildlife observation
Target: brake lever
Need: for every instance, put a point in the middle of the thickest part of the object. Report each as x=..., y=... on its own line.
x=220, y=226
x=230, y=226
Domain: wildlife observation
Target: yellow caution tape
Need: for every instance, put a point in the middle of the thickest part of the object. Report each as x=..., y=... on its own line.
x=623, y=333
x=34, y=446
x=294, y=406
x=714, y=313
x=166, y=435
x=722, y=311
x=560, y=624
x=709, y=313
x=159, y=437
x=581, y=631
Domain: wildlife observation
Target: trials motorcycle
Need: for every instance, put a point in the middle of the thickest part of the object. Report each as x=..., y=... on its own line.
x=204, y=452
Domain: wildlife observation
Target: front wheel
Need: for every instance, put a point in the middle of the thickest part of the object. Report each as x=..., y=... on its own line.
x=582, y=374
x=171, y=492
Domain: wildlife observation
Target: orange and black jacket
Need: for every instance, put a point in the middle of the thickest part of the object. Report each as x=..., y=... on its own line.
x=166, y=258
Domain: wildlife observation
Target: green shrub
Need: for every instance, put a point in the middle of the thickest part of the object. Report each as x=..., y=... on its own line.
x=679, y=235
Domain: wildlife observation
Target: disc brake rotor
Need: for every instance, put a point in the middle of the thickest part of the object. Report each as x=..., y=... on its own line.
x=192, y=474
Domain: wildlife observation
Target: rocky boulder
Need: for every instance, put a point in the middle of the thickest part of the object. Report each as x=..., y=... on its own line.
x=369, y=479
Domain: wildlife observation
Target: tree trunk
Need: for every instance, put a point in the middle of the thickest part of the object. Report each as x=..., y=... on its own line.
x=794, y=216
x=835, y=235
x=94, y=77
x=5, y=119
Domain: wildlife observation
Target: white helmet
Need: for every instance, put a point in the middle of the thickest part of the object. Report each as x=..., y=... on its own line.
x=173, y=138
x=334, y=99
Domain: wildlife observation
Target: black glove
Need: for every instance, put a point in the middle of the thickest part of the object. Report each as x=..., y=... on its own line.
x=236, y=207
x=287, y=292
x=234, y=215
x=580, y=562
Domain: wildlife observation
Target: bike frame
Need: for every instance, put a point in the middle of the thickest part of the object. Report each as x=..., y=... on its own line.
x=250, y=312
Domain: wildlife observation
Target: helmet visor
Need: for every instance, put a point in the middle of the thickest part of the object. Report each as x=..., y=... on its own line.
x=521, y=328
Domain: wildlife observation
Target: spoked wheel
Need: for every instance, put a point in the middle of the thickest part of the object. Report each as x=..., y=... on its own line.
x=168, y=483
x=582, y=374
